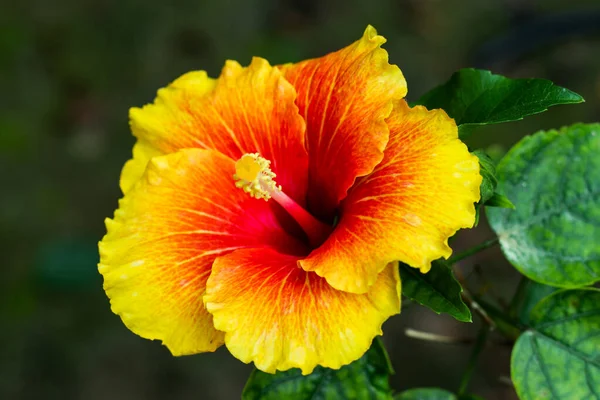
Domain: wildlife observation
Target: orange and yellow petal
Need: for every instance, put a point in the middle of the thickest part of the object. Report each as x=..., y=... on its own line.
x=246, y=110
x=160, y=128
x=280, y=317
x=345, y=97
x=135, y=167
x=158, y=251
x=423, y=191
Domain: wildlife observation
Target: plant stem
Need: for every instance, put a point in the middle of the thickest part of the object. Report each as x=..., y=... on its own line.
x=473, y=250
x=493, y=317
x=519, y=295
x=434, y=337
x=479, y=345
x=474, y=305
x=505, y=325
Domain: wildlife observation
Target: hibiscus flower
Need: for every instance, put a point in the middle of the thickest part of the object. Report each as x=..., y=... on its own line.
x=267, y=210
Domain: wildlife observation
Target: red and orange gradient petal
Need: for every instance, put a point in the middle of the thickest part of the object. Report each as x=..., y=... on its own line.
x=344, y=98
x=246, y=110
x=280, y=317
x=157, y=255
x=423, y=191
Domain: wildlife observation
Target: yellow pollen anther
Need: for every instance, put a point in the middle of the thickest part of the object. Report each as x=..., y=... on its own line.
x=253, y=174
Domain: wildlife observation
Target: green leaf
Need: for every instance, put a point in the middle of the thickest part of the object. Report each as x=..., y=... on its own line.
x=553, y=235
x=559, y=357
x=426, y=394
x=432, y=394
x=438, y=290
x=488, y=185
x=366, y=378
x=499, y=200
x=477, y=97
x=487, y=169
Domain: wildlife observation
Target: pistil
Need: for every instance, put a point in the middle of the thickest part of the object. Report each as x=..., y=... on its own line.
x=253, y=175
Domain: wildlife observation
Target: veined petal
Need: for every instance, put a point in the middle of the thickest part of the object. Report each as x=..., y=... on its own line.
x=281, y=317
x=246, y=110
x=169, y=228
x=344, y=98
x=421, y=194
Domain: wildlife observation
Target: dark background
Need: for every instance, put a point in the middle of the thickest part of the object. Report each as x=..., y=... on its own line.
x=69, y=71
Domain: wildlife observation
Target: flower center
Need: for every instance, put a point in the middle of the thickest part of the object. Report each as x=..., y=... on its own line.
x=253, y=175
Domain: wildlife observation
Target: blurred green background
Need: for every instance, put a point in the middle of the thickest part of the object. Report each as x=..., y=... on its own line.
x=69, y=71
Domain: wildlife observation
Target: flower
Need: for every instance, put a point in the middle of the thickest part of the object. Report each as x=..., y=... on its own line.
x=267, y=209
